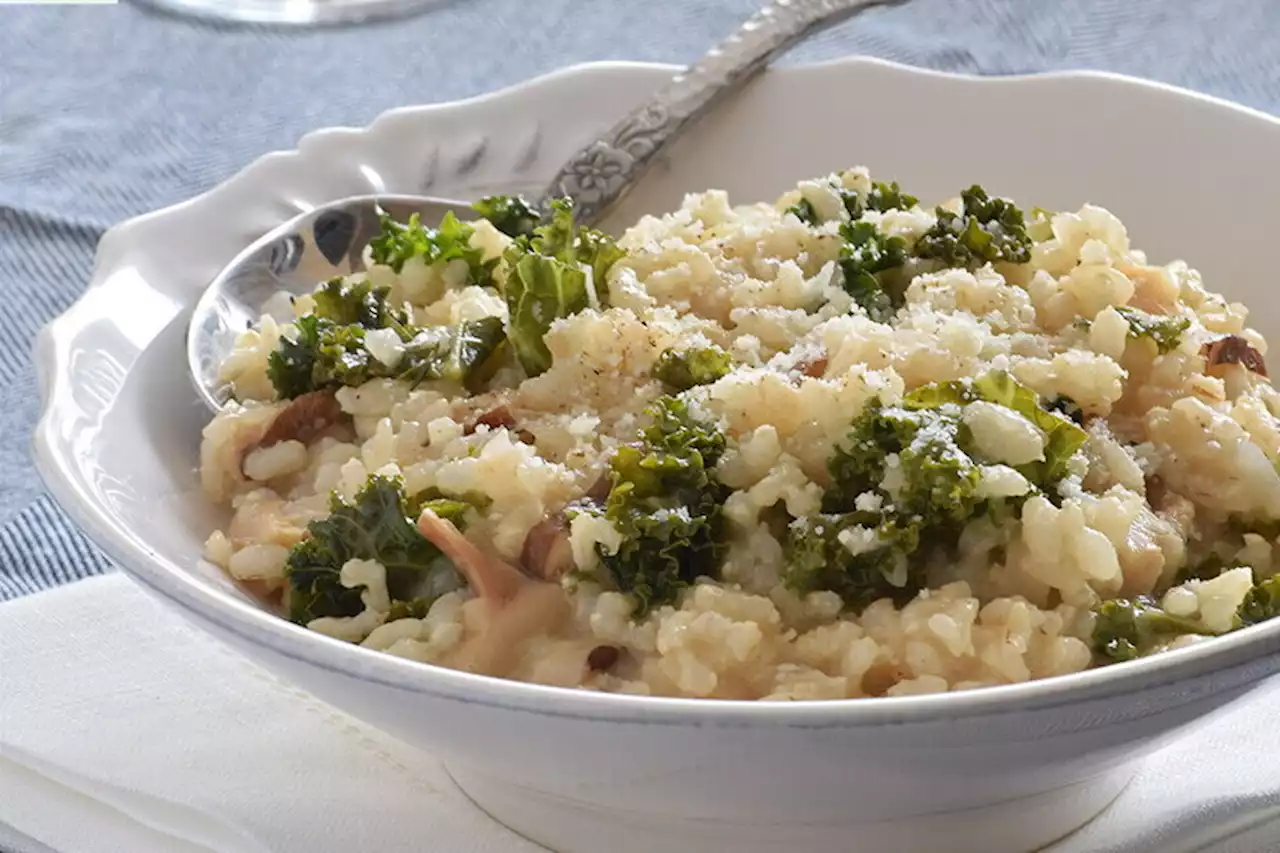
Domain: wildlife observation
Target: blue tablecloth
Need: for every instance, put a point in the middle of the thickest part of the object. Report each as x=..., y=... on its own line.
x=108, y=112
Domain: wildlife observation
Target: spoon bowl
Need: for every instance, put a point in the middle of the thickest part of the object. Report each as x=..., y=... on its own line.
x=310, y=248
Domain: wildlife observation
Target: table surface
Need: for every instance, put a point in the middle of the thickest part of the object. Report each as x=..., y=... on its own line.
x=108, y=112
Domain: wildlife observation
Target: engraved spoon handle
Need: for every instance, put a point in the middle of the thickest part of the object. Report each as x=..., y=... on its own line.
x=600, y=174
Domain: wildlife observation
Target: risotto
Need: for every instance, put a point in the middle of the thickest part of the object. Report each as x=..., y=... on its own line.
x=842, y=445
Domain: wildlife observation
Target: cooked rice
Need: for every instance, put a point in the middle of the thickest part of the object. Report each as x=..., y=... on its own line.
x=1017, y=601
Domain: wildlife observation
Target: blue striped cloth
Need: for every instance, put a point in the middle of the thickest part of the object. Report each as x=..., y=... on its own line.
x=109, y=112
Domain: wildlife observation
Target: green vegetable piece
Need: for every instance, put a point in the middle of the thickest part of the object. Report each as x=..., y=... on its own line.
x=398, y=242
x=375, y=526
x=510, y=214
x=864, y=257
x=935, y=495
x=1062, y=437
x=327, y=355
x=1127, y=628
x=323, y=355
x=1165, y=332
x=989, y=230
x=290, y=366
x=362, y=304
x=547, y=278
x=817, y=560
x=667, y=506
x=684, y=369
x=889, y=196
x=468, y=354
x=1205, y=570
x=1261, y=603
x=804, y=211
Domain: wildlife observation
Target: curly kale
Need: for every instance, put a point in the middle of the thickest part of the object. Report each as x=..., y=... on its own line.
x=889, y=196
x=916, y=462
x=1165, y=332
x=375, y=526
x=451, y=240
x=1127, y=628
x=865, y=257
x=804, y=211
x=681, y=370
x=510, y=214
x=880, y=197
x=989, y=230
x=556, y=271
x=667, y=505
x=1062, y=437
x=926, y=486
x=817, y=559
x=1261, y=603
x=345, y=303
x=324, y=354
x=468, y=354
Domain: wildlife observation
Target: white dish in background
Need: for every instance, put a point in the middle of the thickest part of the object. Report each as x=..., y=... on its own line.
x=999, y=770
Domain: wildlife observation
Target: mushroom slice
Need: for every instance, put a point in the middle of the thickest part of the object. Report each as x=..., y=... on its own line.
x=1233, y=349
x=488, y=577
x=519, y=608
x=304, y=419
x=547, y=554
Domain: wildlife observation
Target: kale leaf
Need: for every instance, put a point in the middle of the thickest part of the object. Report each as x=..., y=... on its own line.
x=889, y=196
x=324, y=354
x=916, y=460
x=376, y=526
x=345, y=303
x=1062, y=437
x=667, y=505
x=1261, y=603
x=804, y=211
x=468, y=353
x=510, y=214
x=817, y=559
x=989, y=230
x=1127, y=628
x=681, y=370
x=1165, y=332
x=912, y=461
x=864, y=257
x=555, y=272
x=451, y=240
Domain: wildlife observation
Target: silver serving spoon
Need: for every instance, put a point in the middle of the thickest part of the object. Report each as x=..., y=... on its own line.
x=330, y=240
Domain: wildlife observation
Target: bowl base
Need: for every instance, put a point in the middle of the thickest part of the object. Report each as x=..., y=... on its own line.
x=572, y=826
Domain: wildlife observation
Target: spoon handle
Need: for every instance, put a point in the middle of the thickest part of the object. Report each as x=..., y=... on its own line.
x=600, y=174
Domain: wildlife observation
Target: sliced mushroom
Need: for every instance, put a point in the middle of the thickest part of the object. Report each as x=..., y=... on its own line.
x=536, y=609
x=518, y=607
x=499, y=417
x=488, y=577
x=304, y=419
x=547, y=554
x=603, y=658
x=1232, y=349
x=600, y=489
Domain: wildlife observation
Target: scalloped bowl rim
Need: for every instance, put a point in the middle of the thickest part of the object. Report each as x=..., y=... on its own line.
x=257, y=626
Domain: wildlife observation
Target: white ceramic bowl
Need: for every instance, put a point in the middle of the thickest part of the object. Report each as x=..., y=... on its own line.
x=999, y=770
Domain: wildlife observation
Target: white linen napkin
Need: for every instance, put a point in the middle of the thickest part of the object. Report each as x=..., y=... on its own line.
x=122, y=730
